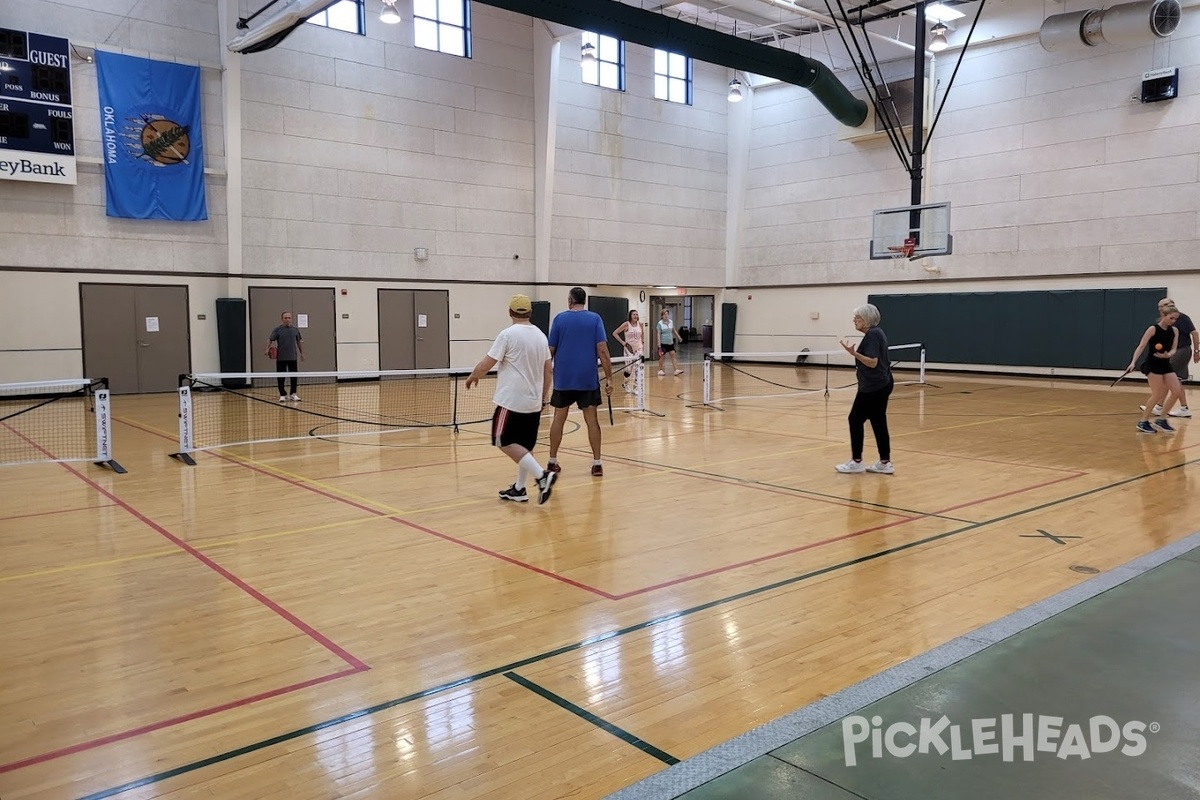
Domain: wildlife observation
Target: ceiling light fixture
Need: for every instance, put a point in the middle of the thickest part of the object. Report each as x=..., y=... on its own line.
x=735, y=91
x=938, y=43
x=389, y=14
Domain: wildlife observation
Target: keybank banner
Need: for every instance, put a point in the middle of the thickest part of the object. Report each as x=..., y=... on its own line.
x=150, y=137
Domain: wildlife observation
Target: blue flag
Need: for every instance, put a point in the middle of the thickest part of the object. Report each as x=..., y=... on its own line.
x=150, y=138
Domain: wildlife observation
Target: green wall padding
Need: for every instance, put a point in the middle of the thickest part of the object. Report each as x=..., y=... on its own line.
x=1084, y=329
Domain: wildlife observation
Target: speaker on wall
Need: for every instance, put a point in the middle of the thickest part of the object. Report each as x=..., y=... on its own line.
x=231, y=338
x=541, y=315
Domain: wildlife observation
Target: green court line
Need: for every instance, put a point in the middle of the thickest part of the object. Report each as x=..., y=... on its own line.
x=579, y=711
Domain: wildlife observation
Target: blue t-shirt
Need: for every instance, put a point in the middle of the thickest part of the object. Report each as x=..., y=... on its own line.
x=574, y=336
x=876, y=378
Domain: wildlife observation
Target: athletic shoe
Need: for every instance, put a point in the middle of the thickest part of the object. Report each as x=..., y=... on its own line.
x=597, y=470
x=851, y=466
x=1182, y=411
x=553, y=467
x=1157, y=410
x=1163, y=425
x=1144, y=427
x=283, y=398
x=544, y=483
x=661, y=373
x=295, y=398
x=678, y=372
x=882, y=467
x=514, y=494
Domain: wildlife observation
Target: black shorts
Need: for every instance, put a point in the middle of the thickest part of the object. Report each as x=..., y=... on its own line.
x=511, y=427
x=667, y=348
x=585, y=398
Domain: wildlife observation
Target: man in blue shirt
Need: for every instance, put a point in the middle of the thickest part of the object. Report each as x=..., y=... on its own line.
x=577, y=339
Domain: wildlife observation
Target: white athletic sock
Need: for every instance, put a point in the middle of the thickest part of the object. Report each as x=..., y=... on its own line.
x=521, y=473
x=530, y=465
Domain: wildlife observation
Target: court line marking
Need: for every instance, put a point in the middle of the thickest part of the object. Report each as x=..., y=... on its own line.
x=176, y=551
x=179, y=720
x=355, y=664
x=675, y=615
x=335, y=494
x=595, y=720
x=59, y=511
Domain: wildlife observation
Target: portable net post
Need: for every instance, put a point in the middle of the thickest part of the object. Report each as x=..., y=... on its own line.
x=226, y=409
x=57, y=421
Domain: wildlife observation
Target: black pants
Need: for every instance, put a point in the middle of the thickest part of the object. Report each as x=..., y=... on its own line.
x=287, y=366
x=872, y=407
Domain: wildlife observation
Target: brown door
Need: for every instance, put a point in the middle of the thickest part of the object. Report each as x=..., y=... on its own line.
x=136, y=336
x=414, y=329
x=163, y=339
x=312, y=312
x=431, y=310
x=397, y=336
x=110, y=335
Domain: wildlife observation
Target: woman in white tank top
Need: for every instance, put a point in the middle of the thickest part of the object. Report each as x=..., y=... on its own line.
x=632, y=342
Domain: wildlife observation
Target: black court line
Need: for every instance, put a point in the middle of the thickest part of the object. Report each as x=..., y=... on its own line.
x=569, y=648
x=620, y=733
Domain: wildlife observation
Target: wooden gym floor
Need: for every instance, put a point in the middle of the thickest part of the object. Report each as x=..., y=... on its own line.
x=367, y=620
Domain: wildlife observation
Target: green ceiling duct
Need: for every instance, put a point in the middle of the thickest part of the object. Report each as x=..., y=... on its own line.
x=663, y=32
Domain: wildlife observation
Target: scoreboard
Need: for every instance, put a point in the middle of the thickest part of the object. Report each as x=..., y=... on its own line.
x=37, y=127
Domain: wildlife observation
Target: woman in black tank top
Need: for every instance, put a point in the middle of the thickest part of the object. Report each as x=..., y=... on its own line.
x=1160, y=342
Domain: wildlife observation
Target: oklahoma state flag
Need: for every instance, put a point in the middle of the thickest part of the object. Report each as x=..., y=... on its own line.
x=150, y=136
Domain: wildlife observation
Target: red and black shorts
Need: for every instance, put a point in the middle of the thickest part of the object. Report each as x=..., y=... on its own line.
x=511, y=427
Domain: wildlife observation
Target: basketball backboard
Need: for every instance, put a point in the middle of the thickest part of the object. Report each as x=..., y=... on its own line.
x=911, y=231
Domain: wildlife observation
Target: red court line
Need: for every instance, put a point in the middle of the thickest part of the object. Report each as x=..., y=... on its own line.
x=394, y=518
x=167, y=723
x=665, y=584
x=59, y=511
x=843, y=537
x=760, y=559
x=1014, y=491
x=955, y=456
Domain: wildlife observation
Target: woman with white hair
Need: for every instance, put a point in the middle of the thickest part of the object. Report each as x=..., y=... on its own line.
x=874, y=371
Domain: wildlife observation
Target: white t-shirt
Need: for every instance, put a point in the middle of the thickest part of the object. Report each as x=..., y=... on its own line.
x=521, y=352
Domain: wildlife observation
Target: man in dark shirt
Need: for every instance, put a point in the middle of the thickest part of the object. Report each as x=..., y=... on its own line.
x=289, y=344
x=1187, y=351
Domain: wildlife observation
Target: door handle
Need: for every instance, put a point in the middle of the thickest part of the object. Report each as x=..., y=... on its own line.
x=143, y=344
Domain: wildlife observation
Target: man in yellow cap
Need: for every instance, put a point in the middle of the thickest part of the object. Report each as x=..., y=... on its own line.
x=523, y=383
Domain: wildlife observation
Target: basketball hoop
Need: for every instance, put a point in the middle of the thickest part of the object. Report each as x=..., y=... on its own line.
x=904, y=250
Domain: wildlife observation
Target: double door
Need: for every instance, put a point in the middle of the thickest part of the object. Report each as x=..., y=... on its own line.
x=312, y=312
x=137, y=336
x=414, y=329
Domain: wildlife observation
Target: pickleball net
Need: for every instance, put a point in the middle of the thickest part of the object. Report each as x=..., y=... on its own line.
x=743, y=376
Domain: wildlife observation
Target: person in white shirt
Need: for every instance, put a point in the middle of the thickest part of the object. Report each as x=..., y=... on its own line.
x=523, y=383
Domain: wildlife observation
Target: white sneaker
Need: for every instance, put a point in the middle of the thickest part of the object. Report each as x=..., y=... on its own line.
x=295, y=398
x=882, y=467
x=1157, y=410
x=851, y=467
x=283, y=398
x=661, y=373
x=1182, y=411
